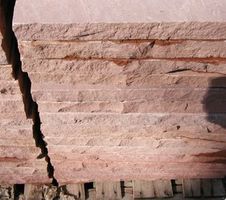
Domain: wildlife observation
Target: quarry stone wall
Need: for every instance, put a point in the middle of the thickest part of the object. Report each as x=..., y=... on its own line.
x=123, y=96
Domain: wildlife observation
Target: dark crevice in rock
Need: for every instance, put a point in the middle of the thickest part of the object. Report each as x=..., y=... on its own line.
x=10, y=47
x=18, y=190
x=178, y=70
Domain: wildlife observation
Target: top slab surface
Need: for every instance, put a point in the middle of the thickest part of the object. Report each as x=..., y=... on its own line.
x=118, y=11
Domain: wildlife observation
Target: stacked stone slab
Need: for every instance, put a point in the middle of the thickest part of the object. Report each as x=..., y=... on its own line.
x=129, y=101
x=18, y=163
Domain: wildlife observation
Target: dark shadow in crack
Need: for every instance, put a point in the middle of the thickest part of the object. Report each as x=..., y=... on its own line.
x=214, y=103
x=10, y=47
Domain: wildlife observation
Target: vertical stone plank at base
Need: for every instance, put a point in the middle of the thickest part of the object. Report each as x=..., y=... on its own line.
x=91, y=194
x=33, y=192
x=218, y=188
x=163, y=188
x=77, y=190
x=206, y=187
x=143, y=189
x=191, y=187
x=108, y=191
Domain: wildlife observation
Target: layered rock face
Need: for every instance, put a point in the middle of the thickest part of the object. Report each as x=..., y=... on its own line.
x=141, y=100
x=18, y=163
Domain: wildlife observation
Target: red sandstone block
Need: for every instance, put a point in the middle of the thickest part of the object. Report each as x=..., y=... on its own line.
x=182, y=80
x=9, y=88
x=114, y=50
x=6, y=73
x=15, y=133
x=123, y=95
x=92, y=123
x=121, y=31
x=17, y=142
x=99, y=67
x=11, y=106
x=23, y=176
x=138, y=141
x=21, y=151
x=156, y=106
x=86, y=171
x=14, y=120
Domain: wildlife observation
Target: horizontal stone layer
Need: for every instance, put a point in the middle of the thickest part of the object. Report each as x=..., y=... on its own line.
x=16, y=162
x=16, y=133
x=170, y=150
x=18, y=141
x=168, y=140
x=91, y=139
x=14, y=120
x=9, y=88
x=99, y=67
x=179, y=80
x=173, y=131
x=22, y=151
x=156, y=106
x=8, y=97
x=6, y=73
x=23, y=175
x=11, y=106
x=123, y=50
x=111, y=123
x=86, y=171
x=123, y=95
x=121, y=31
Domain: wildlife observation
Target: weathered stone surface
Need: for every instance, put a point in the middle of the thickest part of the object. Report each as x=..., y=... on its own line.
x=22, y=151
x=6, y=72
x=182, y=80
x=142, y=123
x=121, y=31
x=115, y=11
x=15, y=133
x=23, y=175
x=121, y=100
x=11, y=106
x=154, y=106
x=3, y=59
x=130, y=50
x=18, y=153
x=9, y=88
x=140, y=171
x=94, y=67
x=202, y=95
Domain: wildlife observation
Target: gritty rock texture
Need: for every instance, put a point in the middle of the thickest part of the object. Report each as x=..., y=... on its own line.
x=123, y=31
x=142, y=100
x=108, y=11
x=18, y=151
x=131, y=109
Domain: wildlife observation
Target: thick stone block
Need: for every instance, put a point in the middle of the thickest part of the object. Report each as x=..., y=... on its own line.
x=93, y=68
x=124, y=50
x=127, y=95
x=123, y=81
x=134, y=123
x=155, y=106
x=84, y=171
x=121, y=31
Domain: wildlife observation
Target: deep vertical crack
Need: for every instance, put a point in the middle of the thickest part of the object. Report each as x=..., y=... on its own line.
x=11, y=49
